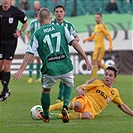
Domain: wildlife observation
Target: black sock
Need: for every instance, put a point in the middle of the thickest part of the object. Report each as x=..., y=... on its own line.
x=6, y=79
x=1, y=76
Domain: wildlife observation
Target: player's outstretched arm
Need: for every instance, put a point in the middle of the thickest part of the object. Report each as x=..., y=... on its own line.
x=26, y=61
x=126, y=109
x=79, y=49
x=89, y=38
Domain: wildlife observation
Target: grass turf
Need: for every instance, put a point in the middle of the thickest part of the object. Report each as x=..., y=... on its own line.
x=15, y=111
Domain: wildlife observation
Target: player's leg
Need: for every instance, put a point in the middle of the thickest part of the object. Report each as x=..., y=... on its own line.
x=60, y=93
x=83, y=106
x=95, y=62
x=6, y=75
x=1, y=71
x=38, y=65
x=103, y=66
x=31, y=65
x=57, y=106
x=45, y=102
x=95, y=68
x=82, y=109
x=68, y=83
x=1, y=63
x=101, y=55
x=73, y=115
x=47, y=83
x=6, y=60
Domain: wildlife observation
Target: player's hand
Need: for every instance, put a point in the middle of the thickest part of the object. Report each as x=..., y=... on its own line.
x=110, y=49
x=17, y=75
x=81, y=93
x=17, y=34
x=89, y=67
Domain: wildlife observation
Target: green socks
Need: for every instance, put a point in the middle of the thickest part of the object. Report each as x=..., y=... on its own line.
x=45, y=101
x=38, y=70
x=30, y=69
x=67, y=95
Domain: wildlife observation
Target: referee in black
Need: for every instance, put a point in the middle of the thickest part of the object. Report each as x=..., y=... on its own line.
x=9, y=18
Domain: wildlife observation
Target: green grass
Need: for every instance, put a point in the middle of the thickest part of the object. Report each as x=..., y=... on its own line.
x=15, y=111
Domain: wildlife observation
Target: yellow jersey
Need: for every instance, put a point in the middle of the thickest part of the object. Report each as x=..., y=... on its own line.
x=100, y=31
x=99, y=95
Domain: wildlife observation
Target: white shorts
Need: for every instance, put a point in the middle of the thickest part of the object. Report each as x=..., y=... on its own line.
x=48, y=81
x=36, y=54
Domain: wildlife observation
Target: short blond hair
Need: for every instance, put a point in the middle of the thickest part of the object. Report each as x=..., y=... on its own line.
x=44, y=14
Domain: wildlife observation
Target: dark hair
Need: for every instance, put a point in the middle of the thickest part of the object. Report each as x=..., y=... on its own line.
x=98, y=13
x=59, y=6
x=114, y=69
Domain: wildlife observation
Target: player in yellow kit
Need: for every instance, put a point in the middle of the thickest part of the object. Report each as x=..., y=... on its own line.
x=98, y=95
x=100, y=31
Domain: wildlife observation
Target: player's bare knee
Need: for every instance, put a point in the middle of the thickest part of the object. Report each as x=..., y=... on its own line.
x=77, y=106
x=87, y=115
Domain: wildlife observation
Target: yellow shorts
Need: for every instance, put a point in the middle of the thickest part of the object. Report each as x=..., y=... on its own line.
x=98, y=53
x=86, y=105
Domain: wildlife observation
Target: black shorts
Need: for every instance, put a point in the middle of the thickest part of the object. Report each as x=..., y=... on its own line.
x=7, y=49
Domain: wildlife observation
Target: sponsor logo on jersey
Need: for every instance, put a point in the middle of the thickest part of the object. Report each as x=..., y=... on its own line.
x=10, y=20
x=58, y=57
x=112, y=92
x=102, y=94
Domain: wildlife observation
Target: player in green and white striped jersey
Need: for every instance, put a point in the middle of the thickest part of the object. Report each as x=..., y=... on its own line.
x=51, y=41
x=33, y=26
x=59, y=12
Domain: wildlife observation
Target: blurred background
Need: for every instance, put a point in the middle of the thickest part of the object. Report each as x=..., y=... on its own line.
x=81, y=14
x=77, y=7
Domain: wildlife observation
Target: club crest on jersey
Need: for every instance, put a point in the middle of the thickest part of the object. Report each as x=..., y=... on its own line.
x=10, y=20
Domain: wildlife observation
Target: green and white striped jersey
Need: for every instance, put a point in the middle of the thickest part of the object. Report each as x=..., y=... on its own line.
x=68, y=25
x=33, y=26
x=51, y=41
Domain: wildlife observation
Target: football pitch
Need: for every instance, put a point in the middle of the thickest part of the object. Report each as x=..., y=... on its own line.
x=15, y=111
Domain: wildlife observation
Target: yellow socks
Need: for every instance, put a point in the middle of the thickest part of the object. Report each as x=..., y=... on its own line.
x=95, y=69
x=94, y=72
x=57, y=106
x=104, y=66
x=75, y=115
x=71, y=106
